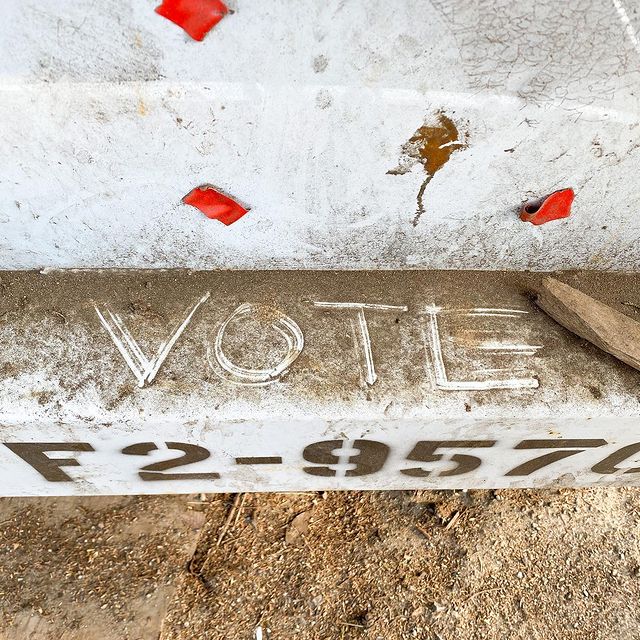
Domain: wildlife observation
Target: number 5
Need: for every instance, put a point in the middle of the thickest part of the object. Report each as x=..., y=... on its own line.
x=425, y=451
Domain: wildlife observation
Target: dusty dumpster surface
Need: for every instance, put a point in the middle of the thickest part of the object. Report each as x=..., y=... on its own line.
x=156, y=382
x=385, y=140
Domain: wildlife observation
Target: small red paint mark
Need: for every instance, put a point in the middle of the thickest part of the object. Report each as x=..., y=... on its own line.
x=552, y=207
x=196, y=17
x=215, y=205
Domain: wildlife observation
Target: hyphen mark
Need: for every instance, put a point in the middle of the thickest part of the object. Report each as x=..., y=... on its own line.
x=430, y=146
x=260, y=460
x=215, y=205
x=196, y=17
x=555, y=206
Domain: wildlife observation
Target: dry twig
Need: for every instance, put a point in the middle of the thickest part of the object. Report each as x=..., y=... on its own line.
x=233, y=514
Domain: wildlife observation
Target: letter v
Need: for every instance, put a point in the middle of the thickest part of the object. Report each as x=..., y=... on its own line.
x=144, y=370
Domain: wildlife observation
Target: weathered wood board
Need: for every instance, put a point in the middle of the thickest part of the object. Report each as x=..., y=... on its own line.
x=600, y=324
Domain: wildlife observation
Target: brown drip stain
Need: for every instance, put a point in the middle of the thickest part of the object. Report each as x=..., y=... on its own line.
x=431, y=146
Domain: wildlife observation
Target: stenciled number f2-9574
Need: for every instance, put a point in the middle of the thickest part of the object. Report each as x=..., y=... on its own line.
x=345, y=459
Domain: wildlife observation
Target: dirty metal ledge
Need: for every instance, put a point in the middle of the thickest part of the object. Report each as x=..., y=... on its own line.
x=123, y=382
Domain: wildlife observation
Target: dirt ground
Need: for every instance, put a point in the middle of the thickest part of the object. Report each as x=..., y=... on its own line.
x=433, y=565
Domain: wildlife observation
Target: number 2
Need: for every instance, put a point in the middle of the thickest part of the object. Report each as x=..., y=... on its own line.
x=156, y=470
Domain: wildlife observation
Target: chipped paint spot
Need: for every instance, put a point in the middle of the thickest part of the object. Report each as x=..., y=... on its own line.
x=215, y=205
x=555, y=206
x=196, y=17
x=323, y=99
x=431, y=146
x=320, y=64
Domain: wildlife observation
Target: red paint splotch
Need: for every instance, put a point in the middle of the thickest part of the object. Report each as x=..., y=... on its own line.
x=552, y=207
x=215, y=205
x=196, y=17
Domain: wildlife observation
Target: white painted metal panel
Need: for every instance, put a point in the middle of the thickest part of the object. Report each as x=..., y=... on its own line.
x=109, y=114
x=352, y=455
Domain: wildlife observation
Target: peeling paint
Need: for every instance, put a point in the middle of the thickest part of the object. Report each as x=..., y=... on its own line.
x=626, y=21
x=142, y=108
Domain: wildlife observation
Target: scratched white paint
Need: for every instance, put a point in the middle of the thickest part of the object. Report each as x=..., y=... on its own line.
x=282, y=323
x=362, y=330
x=433, y=337
x=143, y=368
x=626, y=21
x=70, y=384
x=109, y=114
x=497, y=313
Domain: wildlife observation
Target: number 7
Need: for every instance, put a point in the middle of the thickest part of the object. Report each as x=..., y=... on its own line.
x=569, y=448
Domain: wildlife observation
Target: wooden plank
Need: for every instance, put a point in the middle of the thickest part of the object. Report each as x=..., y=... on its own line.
x=600, y=324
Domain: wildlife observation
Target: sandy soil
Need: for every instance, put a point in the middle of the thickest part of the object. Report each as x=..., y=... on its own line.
x=91, y=568
x=433, y=565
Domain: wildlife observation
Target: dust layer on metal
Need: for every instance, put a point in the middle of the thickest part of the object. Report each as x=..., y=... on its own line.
x=173, y=381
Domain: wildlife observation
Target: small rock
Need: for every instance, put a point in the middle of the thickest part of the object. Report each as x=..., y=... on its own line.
x=297, y=528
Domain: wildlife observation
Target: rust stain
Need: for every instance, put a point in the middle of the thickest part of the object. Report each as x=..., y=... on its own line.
x=436, y=144
x=431, y=146
x=142, y=108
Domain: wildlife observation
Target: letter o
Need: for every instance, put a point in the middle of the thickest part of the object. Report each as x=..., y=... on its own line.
x=282, y=323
